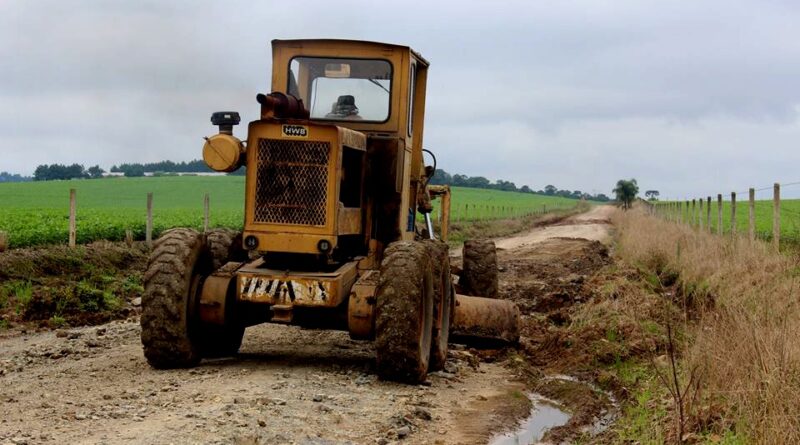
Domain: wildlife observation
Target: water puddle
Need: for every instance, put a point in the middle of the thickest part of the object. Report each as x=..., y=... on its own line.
x=607, y=417
x=545, y=414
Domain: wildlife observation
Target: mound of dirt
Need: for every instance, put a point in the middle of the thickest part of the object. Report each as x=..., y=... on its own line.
x=550, y=275
x=581, y=314
x=56, y=286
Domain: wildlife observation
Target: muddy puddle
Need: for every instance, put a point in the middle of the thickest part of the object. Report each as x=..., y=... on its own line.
x=545, y=415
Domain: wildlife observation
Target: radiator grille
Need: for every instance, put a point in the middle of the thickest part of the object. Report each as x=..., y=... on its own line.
x=292, y=182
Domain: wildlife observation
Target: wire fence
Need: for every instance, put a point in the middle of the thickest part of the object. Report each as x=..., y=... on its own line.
x=758, y=213
x=483, y=212
x=80, y=227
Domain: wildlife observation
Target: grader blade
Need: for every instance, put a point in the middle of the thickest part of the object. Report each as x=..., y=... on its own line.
x=484, y=321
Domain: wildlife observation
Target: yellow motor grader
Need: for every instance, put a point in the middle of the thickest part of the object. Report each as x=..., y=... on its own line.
x=335, y=182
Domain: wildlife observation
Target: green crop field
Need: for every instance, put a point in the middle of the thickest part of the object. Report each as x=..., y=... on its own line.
x=35, y=213
x=789, y=215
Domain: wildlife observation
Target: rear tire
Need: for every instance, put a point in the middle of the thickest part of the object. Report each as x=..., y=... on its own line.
x=178, y=258
x=225, y=245
x=223, y=341
x=404, y=313
x=479, y=269
x=443, y=302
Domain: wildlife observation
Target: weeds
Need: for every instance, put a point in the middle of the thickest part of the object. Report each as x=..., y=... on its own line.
x=23, y=294
x=740, y=302
x=683, y=397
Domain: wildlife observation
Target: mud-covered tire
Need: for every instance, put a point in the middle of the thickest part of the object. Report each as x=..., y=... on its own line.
x=443, y=302
x=225, y=245
x=178, y=257
x=404, y=313
x=479, y=268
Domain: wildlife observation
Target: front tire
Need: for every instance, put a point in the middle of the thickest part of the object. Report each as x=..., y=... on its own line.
x=404, y=313
x=178, y=259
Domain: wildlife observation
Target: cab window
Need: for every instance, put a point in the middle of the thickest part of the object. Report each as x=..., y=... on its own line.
x=342, y=89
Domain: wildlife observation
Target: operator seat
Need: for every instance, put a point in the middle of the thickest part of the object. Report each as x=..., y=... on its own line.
x=344, y=108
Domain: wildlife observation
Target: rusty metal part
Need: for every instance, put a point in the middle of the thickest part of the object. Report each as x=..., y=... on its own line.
x=281, y=313
x=275, y=287
x=443, y=192
x=480, y=320
x=214, y=296
x=277, y=105
x=361, y=307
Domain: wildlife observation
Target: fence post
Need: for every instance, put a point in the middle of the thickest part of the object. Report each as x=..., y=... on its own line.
x=148, y=231
x=776, y=216
x=708, y=214
x=73, y=232
x=733, y=213
x=752, y=221
x=688, y=213
x=694, y=213
x=700, y=214
x=205, y=213
x=720, y=229
x=679, y=208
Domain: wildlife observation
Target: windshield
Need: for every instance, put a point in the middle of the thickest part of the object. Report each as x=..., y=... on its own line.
x=342, y=89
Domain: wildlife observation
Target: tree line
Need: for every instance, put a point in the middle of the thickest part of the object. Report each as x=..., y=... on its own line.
x=14, y=177
x=51, y=172
x=441, y=177
x=60, y=171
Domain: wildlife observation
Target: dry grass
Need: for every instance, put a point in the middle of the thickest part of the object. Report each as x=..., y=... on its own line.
x=740, y=301
x=3, y=241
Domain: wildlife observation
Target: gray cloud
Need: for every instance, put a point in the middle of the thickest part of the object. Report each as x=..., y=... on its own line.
x=688, y=97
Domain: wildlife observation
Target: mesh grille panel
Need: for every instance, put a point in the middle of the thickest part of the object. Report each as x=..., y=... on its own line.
x=291, y=182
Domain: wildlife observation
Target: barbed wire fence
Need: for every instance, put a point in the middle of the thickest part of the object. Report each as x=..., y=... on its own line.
x=755, y=213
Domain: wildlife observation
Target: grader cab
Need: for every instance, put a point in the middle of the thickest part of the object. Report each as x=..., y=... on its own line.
x=335, y=183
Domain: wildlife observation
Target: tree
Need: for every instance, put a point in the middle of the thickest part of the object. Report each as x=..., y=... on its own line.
x=477, y=182
x=652, y=195
x=460, y=180
x=507, y=186
x=133, y=170
x=626, y=192
x=441, y=177
x=13, y=177
x=525, y=189
x=601, y=198
x=550, y=190
x=95, y=172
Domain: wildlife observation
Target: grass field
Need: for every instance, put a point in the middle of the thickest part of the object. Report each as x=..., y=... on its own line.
x=35, y=213
x=790, y=218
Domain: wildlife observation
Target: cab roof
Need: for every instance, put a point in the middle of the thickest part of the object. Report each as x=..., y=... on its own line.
x=333, y=42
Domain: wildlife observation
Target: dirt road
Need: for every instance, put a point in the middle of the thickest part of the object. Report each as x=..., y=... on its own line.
x=288, y=385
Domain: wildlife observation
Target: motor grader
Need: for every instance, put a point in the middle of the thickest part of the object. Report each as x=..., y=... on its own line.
x=335, y=186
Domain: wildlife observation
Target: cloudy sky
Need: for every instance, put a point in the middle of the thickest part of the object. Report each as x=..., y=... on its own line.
x=689, y=97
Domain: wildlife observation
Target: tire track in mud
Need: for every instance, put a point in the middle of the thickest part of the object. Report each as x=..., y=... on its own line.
x=288, y=385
